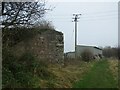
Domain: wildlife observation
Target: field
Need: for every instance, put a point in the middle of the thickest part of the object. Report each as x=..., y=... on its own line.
x=73, y=74
x=99, y=76
x=94, y=74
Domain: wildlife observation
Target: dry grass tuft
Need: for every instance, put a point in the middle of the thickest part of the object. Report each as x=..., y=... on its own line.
x=113, y=65
x=67, y=75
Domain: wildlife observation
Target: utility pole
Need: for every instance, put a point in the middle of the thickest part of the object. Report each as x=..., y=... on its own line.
x=75, y=20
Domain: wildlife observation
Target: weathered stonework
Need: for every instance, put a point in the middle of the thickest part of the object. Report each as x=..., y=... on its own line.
x=48, y=45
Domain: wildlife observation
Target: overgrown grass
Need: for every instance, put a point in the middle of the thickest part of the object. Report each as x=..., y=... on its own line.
x=98, y=77
x=113, y=65
x=23, y=72
x=67, y=75
x=28, y=72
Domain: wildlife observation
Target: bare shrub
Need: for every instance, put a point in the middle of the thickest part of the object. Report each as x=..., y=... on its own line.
x=86, y=55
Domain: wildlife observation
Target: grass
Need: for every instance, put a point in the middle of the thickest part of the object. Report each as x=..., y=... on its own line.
x=94, y=74
x=99, y=76
x=113, y=65
x=66, y=76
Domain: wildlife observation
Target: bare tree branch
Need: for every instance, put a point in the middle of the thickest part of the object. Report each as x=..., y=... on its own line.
x=22, y=13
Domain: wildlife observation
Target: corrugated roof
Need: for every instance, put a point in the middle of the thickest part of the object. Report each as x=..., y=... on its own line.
x=89, y=46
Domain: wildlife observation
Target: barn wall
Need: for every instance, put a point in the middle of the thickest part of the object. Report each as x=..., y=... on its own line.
x=70, y=55
x=81, y=49
x=95, y=51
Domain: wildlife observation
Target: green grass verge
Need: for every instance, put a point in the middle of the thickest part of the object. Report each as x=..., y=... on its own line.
x=98, y=77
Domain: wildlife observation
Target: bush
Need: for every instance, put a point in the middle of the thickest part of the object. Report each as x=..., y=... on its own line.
x=36, y=67
x=86, y=55
x=7, y=78
x=24, y=72
x=27, y=61
x=13, y=36
x=26, y=79
x=110, y=52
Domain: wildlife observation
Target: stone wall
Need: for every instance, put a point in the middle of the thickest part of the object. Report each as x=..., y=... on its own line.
x=48, y=45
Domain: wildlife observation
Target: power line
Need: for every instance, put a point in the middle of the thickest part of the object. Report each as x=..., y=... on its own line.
x=96, y=19
x=108, y=12
x=94, y=16
x=85, y=17
x=90, y=13
x=68, y=17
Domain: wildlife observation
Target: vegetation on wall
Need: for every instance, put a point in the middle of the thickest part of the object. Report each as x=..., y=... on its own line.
x=25, y=71
x=12, y=36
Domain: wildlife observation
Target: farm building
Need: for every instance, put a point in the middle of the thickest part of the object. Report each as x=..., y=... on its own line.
x=97, y=52
x=48, y=45
x=70, y=55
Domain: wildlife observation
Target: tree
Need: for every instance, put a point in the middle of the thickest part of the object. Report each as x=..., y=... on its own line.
x=44, y=25
x=22, y=13
x=110, y=52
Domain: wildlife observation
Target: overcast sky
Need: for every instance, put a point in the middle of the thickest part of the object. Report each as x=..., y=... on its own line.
x=97, y=26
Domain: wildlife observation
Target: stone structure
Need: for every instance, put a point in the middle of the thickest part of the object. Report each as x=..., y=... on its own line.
x=48, y=45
